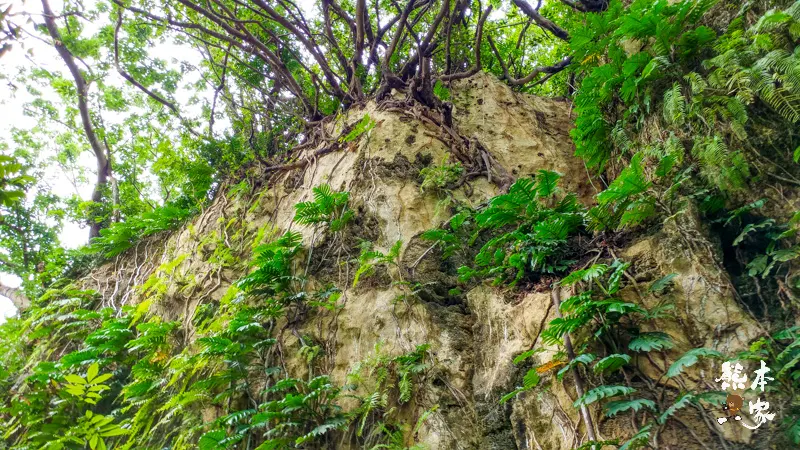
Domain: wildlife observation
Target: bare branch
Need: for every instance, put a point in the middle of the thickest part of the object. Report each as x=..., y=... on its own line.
x=549, y=70
x=478, y=38
x=543, y=23
x=128, y=77
x=576, y=5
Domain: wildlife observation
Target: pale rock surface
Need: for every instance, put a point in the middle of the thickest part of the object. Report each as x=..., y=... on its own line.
x=475, y=336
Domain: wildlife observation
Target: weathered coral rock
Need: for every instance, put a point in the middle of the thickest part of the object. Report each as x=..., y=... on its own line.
x=473, y=336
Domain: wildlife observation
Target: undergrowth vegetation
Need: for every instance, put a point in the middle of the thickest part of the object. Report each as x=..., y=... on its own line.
x=103, y=378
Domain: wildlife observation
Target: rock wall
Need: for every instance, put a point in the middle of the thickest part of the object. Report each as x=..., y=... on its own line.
x=473, y=335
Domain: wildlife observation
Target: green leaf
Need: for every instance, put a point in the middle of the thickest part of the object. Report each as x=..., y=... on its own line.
x=547, y=183
x=662, y=283
x=101, y=378
x=588, y=274
x=531, y=379
x=602, y=392
x=212, y=440
x=527, y=354
x=584, y=358
x=750, y=228
x=75, y=379
x=631, y=181
x=618, y=406
x=793, y=430
x=786, y=254
x=611, y=363
x=615, y=278
x=691, y=358
x=650, y=341
x=441, y=91
x=361, y=127
x=680, y=403
x=639, y=439
x=637, y=212
x=511, y=395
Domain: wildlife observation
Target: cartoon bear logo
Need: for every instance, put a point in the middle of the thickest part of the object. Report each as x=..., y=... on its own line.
x=733, y=404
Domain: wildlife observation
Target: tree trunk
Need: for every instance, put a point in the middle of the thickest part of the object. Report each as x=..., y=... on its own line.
x=16, y=296
x=82, y=87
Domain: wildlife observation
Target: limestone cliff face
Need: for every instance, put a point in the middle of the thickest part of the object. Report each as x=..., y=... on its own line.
x=473, y=335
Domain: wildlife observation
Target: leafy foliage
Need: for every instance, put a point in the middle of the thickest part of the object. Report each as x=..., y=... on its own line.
x=12, y=181
x=439, y=177
x=602, y=392
x=369, y=259
x=160, y=386
x=616, y=407
x=690, y=358
x=329, y=208
x=123, y=235
x=527, y=231
x=675, y=114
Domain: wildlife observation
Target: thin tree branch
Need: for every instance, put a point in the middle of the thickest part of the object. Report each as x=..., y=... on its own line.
x=543, y=23
x=128, y=76
x=478, y=38
x=549, y=70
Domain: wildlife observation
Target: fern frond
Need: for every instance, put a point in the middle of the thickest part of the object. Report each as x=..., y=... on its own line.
x=675, y=105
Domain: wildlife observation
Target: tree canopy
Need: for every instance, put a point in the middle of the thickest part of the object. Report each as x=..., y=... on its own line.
x=250, y=81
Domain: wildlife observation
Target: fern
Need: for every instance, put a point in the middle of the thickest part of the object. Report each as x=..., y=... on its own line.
x=437, y=178
x=529, y=381
x=583, y=359
x=651, y=341
x=611, y=363
x=601, y=393
x=527, y=231
x=547, y=183
x=329, y=207
x=690, y=358
x=675, y=106
x=680, y=403
x=616, y=407
x=638, y=440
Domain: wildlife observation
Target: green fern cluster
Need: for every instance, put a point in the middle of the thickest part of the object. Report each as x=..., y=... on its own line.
x=121, y=236
x=50, y=403
x=301, y=412
x=439, y=177
x=369, y=259
x=526, y=231
x=329, y=208
x=158, y=383
x=378, y=380
x=597, y=319
x=624, y=52
x=629, y=56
